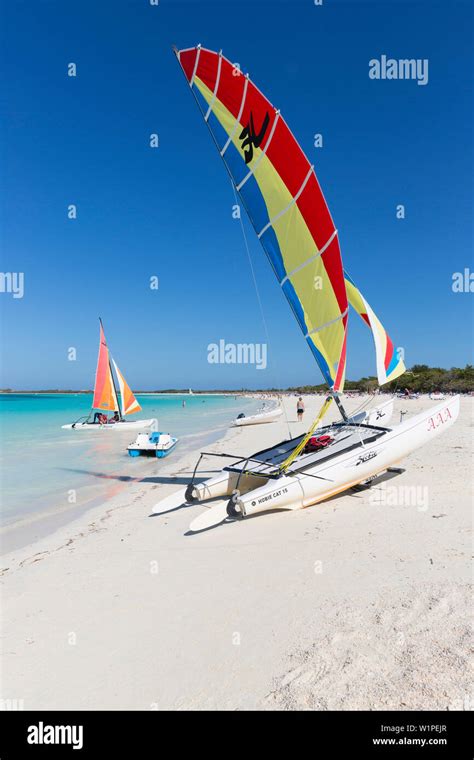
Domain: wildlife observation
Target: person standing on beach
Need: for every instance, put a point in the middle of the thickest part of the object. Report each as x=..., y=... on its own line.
x=300, y=409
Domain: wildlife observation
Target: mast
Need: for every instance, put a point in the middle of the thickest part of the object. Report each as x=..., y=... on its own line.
x=338, y=401
x=115, y=391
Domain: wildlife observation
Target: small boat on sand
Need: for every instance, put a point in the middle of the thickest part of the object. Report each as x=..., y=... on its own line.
x=106, y=398
x=259, y=418
x=335, y=458
x=154, y=444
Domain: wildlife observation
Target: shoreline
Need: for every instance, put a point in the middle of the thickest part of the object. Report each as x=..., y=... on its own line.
x=137, y=393
x=131, y=487
x=214, y=438
x=17, y=534
x=350, y=604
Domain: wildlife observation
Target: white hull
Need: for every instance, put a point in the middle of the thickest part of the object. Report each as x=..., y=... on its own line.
x=258, y=419
x=321, y=481
x=226, y=482
x=380, y=415
x=123, y=425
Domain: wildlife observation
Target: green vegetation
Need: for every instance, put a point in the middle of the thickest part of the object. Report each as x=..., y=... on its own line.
x=424, y=379
x=419, y=379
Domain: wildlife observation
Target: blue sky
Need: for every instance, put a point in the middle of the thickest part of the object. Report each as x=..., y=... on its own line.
x=167, y=212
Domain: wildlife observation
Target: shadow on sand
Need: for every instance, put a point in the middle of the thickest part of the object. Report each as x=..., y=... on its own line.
x=160, y=479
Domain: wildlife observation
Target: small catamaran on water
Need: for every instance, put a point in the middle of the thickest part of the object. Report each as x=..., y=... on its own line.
x=106, y=398
x=279, y=189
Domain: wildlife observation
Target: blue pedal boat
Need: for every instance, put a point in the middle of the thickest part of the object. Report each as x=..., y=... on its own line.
x=153, y=444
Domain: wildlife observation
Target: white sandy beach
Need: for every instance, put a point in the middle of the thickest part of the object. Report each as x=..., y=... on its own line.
x=361, y=602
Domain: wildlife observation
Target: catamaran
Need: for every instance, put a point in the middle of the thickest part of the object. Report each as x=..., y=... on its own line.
x=259, y=418
x=106, y=398
x=279, y=189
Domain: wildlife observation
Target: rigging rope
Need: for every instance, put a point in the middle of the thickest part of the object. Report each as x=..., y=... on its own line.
x=264, y=321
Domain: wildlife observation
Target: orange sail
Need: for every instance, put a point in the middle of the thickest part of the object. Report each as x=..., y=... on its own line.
x=104, y=390
x=130, y=404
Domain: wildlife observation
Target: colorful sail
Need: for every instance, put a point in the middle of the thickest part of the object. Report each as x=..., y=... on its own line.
x=389, y=363
x=281, y=194
x=104, y=390
x=130, y=404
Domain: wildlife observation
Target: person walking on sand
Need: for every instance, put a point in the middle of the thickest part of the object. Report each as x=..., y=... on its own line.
x=300, y=409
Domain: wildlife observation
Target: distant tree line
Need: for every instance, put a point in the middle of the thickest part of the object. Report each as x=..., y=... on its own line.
x=419, y=379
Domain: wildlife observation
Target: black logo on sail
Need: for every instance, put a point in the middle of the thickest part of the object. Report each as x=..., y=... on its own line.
x=250, y=138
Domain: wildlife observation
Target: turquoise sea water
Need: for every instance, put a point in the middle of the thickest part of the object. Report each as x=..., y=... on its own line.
x=45, y=470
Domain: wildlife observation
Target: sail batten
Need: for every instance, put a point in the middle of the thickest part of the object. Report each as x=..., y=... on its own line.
x=191, y=82
x=216, y=88
x=311, y=258
x=322, y=327
x=287, y=208
x=237, y=120
x=281, y=194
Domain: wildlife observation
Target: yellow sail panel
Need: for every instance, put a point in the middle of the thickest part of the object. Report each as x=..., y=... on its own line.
x=130, y=404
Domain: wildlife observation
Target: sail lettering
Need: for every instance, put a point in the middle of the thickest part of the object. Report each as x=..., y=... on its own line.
x=250, y=139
